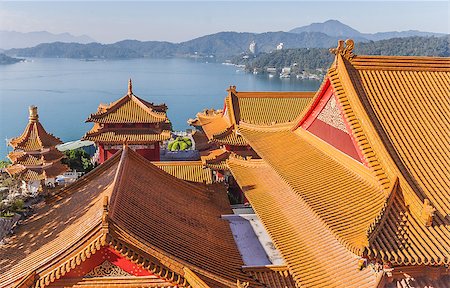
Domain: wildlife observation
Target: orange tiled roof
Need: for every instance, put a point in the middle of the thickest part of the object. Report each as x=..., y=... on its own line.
x=175, y=218
x=396, y=109
x=272, y=276
x=133, y=136
x=170, y=213
x=28, y=172
x=33, y=159
x=349, y=218
x=201, y=141
x=312, y=252
x=269, y=107
x=229, y=137
x=263, y=108
x=215, y=159
x=192, y=171
x=34, y=137
x=56, y=227
x=408, y=101
x=129, y=109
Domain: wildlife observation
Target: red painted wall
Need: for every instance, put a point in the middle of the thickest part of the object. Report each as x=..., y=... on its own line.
x=333, y=136
x=101, y=157
x=107, y=253
x=110, y=153
x=150, y=154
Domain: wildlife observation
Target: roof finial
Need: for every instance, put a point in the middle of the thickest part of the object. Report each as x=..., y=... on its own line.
x=130, y=87
x=33, y=113
x=345, y=50
x=232, y=88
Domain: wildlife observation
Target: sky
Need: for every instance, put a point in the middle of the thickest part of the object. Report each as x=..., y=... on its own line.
x=178, y=21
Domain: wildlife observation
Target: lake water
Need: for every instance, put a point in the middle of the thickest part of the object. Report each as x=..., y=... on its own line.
x=66, y=91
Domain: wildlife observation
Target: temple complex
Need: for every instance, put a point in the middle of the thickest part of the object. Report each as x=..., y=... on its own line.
x=347, y=187
x=35, y=160
x=143, y=124
x=356, y=192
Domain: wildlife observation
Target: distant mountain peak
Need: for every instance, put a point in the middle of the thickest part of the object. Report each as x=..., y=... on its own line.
x=14, y=39
x=335, y=28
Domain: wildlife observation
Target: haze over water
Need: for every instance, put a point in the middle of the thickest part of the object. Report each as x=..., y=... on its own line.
x=66, y=91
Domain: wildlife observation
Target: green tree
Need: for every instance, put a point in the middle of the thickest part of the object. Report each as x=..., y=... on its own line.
x=79, y=160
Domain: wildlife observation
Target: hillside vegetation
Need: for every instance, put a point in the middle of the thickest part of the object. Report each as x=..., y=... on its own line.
x=320, y=58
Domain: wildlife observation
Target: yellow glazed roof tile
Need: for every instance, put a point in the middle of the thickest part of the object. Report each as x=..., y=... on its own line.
x=312, y=252
x=318, y=178
x=129, y=109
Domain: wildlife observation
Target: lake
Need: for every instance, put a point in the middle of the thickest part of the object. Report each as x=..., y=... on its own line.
x=66, y=91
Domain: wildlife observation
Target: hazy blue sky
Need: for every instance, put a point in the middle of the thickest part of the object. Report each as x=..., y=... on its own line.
x=183, y=20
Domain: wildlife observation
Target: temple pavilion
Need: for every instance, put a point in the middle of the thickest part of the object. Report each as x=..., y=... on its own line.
x=356, y=193
x=128, y=223
x=220, y=129
x=143, y=124
x=35, y=160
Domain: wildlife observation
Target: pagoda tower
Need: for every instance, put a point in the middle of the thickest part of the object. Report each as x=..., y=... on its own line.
x=143, y=125
x=35, y=160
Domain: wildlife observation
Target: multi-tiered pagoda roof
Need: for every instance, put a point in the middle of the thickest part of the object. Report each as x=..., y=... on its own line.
x=131, y=118
x=35, y=157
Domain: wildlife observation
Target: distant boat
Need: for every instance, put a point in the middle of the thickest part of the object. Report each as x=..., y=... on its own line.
x=271, y=75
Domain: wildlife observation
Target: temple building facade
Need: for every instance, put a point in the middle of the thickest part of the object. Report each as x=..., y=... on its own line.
x=35, y=160
x=356, y=192
x=142, y=124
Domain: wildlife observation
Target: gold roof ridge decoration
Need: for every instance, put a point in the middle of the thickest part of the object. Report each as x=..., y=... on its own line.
x=345, y=50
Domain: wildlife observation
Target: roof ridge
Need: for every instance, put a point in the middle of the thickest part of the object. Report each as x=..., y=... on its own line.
x=339, y=87
x=266, y=128
x=116, y=105
x=275, y=94
x=117, y=179
x=60, y=194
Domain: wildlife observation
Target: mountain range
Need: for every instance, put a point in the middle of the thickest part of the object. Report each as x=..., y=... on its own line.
x=219, y=45
x=13, y=39
x=337, y=29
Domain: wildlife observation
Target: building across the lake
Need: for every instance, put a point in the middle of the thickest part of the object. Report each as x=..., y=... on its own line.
x=142, y=124
x=35, y=160
x=357, y=192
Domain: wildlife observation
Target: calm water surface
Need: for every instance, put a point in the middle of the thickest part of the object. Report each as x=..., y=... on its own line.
x=66, y=91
